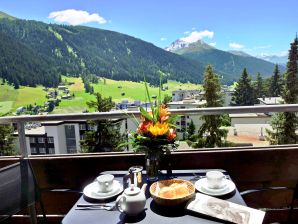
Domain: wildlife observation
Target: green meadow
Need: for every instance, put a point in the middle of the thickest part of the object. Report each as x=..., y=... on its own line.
x=136, y=91
x=5, y=107
x=118, y=90
x=10, y=99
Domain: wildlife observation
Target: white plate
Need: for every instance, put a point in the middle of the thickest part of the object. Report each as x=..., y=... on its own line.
x=91, y=191
x=201, y=186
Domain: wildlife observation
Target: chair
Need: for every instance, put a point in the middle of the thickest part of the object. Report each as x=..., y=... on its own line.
x=18, y=190
x=291, y=204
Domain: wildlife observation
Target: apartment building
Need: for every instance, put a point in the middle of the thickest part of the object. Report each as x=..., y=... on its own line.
x=179, y=95
x=58, y=137
x=184, y=121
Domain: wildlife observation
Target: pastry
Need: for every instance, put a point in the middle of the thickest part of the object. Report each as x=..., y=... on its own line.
x=181, y=190
x=167, y=192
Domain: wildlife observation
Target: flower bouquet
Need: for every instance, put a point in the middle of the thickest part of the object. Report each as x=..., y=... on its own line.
x=155, y=134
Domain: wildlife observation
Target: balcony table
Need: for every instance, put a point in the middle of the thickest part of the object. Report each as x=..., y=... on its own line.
x=153, y=213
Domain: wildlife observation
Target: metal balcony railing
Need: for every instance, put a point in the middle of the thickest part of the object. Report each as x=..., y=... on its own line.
x=21, y=120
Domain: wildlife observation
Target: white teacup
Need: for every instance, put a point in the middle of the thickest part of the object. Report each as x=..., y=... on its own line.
x=105, y=183
x=215, y=179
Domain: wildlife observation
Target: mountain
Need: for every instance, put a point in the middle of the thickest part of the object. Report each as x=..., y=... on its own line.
x=19, y=66
x=227, y=64
x=6, y=16
x=77, y=50
x=276, y=59
x=182, y=47
x=240, y=53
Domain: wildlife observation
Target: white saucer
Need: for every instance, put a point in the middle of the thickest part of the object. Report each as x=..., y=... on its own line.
x=201, y=186
x=91, y=191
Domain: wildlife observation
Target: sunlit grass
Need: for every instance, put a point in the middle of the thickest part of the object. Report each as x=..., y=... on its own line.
x=118, y=90
x=30, y=95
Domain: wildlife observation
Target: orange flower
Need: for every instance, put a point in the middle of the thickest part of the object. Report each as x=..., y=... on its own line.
x=172, y=134
x=158, y=129
x=143, y=126
x=163, y=113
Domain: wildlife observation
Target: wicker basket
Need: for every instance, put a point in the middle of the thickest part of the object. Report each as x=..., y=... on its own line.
x=171, y=201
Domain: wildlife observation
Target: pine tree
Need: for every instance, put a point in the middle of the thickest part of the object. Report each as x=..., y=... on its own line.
x=107, y=136
x=259, y=89
x=166, y=99
x=276, y=83
x=6, y=140
x=16, y=84
x=285, y=124
x=210, y=133
x=191, y=128
x=244, y=92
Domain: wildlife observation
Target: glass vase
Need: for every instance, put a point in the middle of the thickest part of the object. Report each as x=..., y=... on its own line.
x=152, y=166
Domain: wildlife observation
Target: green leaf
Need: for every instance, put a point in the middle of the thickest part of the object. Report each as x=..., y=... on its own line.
x=134, y=120
x=159, y=92
x=148, y=96
x=173, y=125
x=145, y=114
x=173, y=118
x=159, y=98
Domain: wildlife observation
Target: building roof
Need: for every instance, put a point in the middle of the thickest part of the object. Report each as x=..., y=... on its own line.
x=185, y=90
x=188, y=102
x=271, y=100
x=34, y=131
x=248, y=115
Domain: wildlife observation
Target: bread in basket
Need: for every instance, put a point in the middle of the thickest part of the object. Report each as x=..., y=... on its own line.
x=172, y=192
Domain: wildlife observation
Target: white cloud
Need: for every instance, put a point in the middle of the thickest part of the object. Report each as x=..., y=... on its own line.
x=76, y=17
x=186, y=32
x=212, y=44
x=197, y=35
x=235, y=46
x=193, y=28
x=163, y=39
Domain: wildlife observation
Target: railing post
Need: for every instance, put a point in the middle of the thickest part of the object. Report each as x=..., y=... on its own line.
x=22, y=139
x=24, y=154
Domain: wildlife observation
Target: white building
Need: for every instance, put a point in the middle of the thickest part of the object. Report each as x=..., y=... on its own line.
x=227, y=96
x=184, y=121
x=252, y=124
x=57, y=137
x=179, y=95
x=270, y=100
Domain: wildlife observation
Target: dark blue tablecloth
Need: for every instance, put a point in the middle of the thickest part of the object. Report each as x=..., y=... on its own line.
x=153, y=213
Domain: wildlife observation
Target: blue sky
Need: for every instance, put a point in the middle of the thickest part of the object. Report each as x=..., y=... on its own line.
x=254, y=26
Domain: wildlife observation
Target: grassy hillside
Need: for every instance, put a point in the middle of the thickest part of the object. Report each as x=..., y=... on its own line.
x=8, y=96
x=6, y=16
x=11, y=99
x=5, y=107
x=133, y=91
x=30, y=95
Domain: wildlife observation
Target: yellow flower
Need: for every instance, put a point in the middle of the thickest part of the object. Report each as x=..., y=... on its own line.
x=158, y=129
